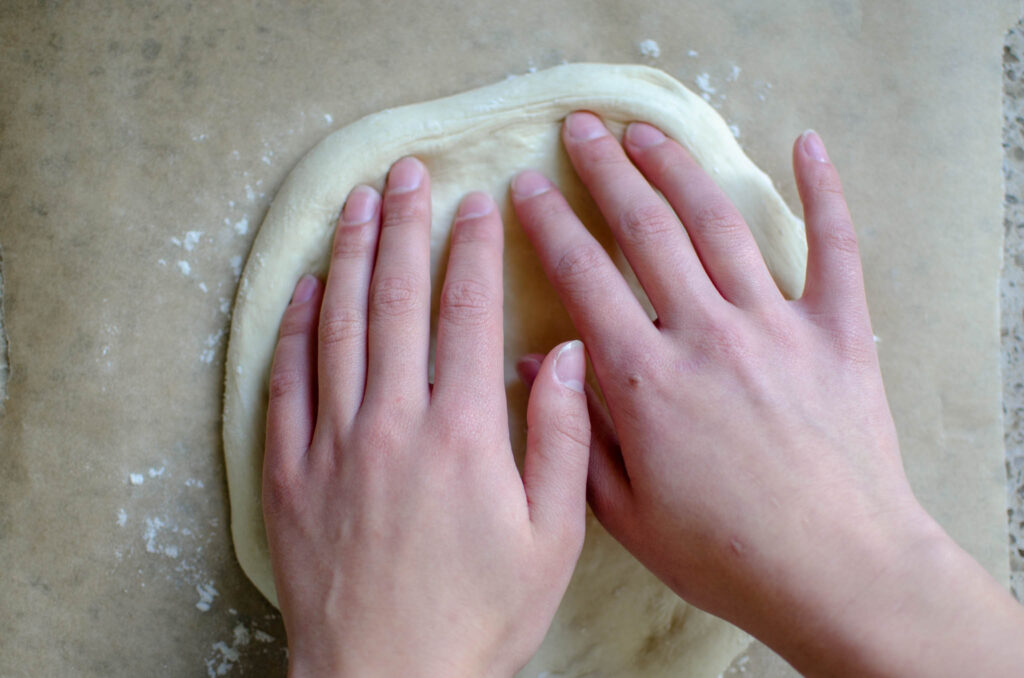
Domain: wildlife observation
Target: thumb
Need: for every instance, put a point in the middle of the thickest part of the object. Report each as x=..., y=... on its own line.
x=558, y=445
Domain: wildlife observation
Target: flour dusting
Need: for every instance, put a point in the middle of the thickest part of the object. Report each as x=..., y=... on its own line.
x=207, y=592
x=223, y=657
x=650, y=48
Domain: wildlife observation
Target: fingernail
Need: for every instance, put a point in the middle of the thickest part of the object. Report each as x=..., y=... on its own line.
x=528, y=184
x=527, y=368
x=584, y=126
x=475, y=205
x=642, y=135
x=304, y=290
x=405, y=175
x=813, y=146
x=570, y=366
x=361, y=204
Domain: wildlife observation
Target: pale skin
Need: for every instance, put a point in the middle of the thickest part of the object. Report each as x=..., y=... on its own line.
x=746, y=454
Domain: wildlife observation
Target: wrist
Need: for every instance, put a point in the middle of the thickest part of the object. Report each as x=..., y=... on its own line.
x=304, y=665
x=831, y=611
x=921, y=606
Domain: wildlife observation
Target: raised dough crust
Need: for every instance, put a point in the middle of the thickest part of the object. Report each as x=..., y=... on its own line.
x=616, y=619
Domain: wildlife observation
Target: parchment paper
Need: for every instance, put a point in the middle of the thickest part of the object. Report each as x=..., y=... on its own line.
x=141, y=144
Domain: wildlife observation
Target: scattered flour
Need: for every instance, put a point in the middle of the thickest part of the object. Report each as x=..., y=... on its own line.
x=263, y=636
x=185, y=267
x=191, y=240
x=650, y=48
x=703, y=82
x=210, y=352
x=151, y=534
x=122, y=517
x=207, y=592
x=224, y=657
x=136, y=478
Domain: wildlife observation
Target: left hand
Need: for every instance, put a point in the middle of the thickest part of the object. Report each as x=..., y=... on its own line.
x=403, y=539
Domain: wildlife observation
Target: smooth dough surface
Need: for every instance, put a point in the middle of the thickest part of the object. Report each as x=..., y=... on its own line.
x=616, y=619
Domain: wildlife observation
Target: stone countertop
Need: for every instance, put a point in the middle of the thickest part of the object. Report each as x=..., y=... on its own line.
x=1012, y=298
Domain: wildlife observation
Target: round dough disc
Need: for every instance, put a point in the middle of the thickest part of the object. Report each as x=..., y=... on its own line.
x=616, y=619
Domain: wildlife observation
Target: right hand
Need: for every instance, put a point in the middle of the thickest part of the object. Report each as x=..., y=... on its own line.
x=747, y=455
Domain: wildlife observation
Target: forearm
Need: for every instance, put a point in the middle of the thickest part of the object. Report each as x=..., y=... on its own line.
x=935, y=612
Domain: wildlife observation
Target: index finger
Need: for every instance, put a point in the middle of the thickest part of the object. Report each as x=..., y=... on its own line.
x=601, y=305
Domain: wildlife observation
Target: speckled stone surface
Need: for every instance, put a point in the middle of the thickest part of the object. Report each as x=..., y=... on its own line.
x=1012, y=295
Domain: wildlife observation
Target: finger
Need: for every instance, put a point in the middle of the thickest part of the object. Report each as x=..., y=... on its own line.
x=469, y=362
x=557, y=445
x=596, y=296
x=399, y=304
x=648, y=232
x=291, y=407
x=608, y=488
x=834, y=286
x=342, y=352
x=718, y=231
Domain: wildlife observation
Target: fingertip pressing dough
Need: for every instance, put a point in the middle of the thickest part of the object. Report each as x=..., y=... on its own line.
x=616, y=619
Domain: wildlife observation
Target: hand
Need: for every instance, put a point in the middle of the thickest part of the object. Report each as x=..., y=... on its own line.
x=404, y=541
x=747, y=455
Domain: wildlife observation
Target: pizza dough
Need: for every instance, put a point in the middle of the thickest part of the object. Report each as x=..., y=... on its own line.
x=616, y=619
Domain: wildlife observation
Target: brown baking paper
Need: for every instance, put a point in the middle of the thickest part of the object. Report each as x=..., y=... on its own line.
x=141, y=144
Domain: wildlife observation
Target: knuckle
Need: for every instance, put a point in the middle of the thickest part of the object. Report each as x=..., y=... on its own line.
x=467, y=301
x=838, y=235
x=782, y=331
x=724, y=341
x=405, y=211
x=602, y=152
x=474, y=230
x=280, y=489
x=385, y=434
x=642, y=224
x=826, y=181
x=852, y=346
x=339, y=325
x=568, y=535
x=668, y=160
x=284, y=382
x=573, y=429
x=295, y=322
x=578, y=266
x=395, y=296
x=718, y=218
x=454, y=431
x=351, y=242
x=539, y=213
